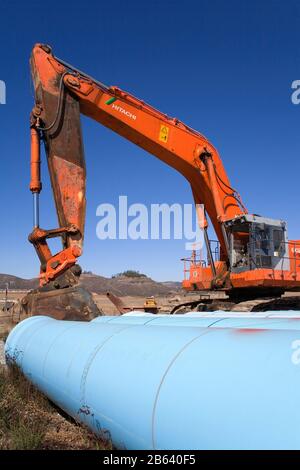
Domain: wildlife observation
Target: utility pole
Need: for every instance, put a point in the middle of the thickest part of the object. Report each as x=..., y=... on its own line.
x=6, y=295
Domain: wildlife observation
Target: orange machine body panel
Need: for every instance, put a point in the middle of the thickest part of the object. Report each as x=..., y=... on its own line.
x=199, y=277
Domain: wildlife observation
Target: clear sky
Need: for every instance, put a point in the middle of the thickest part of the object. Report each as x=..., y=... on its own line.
x=223, y=67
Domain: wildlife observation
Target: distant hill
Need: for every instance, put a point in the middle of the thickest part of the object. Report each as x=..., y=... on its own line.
x=124, y=285
x=119, y=285
x=172, y=285
x=17, y=283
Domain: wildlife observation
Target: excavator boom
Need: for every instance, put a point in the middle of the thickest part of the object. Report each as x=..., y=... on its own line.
x=62, y=93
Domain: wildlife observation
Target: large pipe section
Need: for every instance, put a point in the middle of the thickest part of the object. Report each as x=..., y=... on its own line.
x=163, y=382
x=277, y=320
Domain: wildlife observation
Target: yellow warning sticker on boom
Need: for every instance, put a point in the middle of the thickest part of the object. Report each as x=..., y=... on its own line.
x=163, y=133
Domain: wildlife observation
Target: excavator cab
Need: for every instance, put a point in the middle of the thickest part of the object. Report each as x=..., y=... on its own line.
x=257, y=243
x=261, y=260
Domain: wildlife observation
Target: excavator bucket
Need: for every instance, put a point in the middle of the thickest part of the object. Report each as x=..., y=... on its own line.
x=71, y=303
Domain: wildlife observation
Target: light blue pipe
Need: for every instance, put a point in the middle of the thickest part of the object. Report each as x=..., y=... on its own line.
x=150, y=384
x=280, y=320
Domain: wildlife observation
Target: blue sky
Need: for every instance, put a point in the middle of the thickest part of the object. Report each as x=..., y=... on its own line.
x=223, y=67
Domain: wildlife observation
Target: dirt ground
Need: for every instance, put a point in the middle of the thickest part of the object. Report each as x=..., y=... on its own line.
x=165, y=303
x=28, y=421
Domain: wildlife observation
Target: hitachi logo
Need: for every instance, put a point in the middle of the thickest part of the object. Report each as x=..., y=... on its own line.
x=123, y=111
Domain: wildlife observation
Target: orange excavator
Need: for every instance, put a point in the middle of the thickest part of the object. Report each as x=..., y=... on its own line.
x=254, y=261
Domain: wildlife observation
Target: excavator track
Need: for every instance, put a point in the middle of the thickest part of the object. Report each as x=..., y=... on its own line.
x=203, y=305
x=253, y=305
x=256, y=305
x=283, y=303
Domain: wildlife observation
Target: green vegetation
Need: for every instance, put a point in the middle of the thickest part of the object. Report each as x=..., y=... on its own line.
x=129, y=273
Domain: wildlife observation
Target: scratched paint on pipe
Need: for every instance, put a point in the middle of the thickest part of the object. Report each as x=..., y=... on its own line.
x=256, y=321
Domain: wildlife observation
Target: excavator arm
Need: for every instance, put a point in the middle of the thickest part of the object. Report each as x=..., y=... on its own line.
x=256, y=258
x=62, y=93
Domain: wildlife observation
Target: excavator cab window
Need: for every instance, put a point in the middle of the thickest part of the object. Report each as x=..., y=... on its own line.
x=256, y=242
x=260, y=246
x=279, y=242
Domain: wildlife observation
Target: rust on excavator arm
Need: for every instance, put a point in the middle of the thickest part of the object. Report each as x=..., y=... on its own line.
x=62, y=93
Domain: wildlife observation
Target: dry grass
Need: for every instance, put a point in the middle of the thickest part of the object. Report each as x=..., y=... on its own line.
x=5, y=328
x=29, y=421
